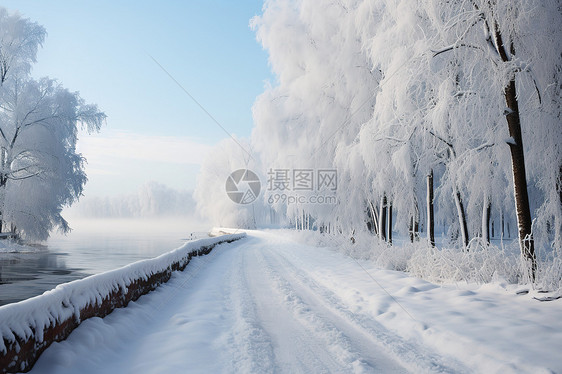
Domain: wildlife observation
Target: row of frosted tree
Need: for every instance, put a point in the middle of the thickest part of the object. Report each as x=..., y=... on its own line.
x=40, y=170
x=440, y=117
x=151, y=200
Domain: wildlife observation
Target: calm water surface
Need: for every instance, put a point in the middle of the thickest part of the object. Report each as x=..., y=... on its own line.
x=98, y=248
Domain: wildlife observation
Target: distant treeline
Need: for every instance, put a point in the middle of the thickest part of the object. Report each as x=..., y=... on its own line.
x=152, y=199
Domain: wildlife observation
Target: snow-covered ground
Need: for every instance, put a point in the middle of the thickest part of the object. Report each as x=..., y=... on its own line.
x=269, y=304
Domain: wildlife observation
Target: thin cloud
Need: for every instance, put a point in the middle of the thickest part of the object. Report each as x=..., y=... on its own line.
x=104, y=149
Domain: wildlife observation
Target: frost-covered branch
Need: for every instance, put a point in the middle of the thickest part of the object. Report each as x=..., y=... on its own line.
x=484, y=146
x=448, y=144
x=16, y=178
x=452, y=47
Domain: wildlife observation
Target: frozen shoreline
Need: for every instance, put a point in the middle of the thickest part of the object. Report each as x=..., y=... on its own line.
x=29, y=326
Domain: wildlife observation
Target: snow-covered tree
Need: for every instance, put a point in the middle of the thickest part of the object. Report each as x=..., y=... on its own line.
x=210, y=192
x=507, y=60
x=153, y=199
x=19, y=41
x=410, y=98
x=40, y=170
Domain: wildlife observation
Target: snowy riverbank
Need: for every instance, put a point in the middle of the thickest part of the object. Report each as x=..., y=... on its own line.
x=28, y=327
x=94, y=246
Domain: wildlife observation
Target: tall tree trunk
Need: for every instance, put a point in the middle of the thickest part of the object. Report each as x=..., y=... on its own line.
x=558, y=219
x=486, y=210
x=382, y=219
x=523, y=211
x=502, y=225
x=430, y=220
x=526, y=241
x=372, y=224
x=413, y=229
x=389, y=225
x=462, y=217
x=489, y=221
x=3, y=182
x=559, y=183
x=414, y=223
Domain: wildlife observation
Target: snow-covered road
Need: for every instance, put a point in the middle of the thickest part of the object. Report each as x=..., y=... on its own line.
x=268, y=304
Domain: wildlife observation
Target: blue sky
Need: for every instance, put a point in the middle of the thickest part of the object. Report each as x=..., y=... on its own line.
x=154, y=130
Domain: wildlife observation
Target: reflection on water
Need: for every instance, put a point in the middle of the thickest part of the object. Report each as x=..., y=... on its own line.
x=93, y=247
x=23, y=275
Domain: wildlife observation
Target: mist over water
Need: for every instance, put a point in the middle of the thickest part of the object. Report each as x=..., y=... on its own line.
x=117, y=241
x=94, y=246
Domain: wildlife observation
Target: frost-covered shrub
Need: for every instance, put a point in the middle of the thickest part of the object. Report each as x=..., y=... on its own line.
x=549, y=273
x=479, y=264
x=482, y=263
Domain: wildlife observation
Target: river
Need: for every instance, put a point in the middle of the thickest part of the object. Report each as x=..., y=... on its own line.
x=93, y=247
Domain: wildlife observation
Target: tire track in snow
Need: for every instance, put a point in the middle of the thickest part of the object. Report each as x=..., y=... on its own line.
x=298, y=347
x=415, y=357
x=249, y=345
x=304, y=339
